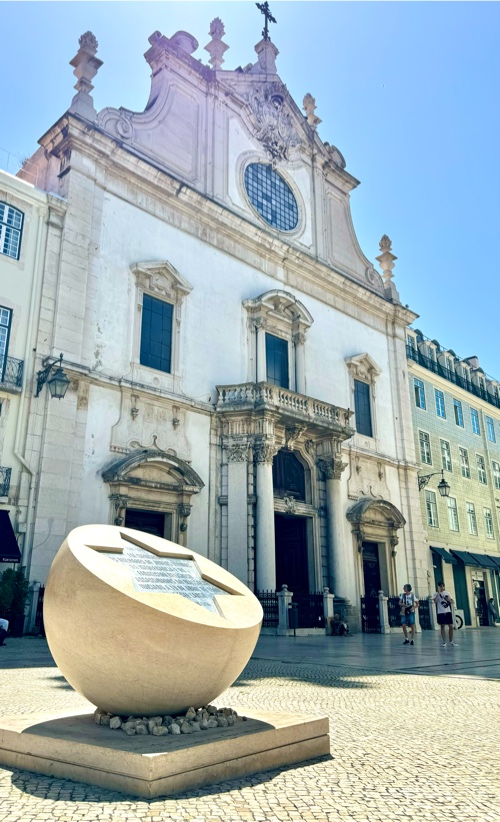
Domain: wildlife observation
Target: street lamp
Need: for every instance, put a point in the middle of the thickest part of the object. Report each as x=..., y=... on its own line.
x=56, y=379
x=443, y=486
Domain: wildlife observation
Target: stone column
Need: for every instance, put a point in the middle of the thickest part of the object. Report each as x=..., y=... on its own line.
x=300, y=363
x=385, y=628
x=339, y=555
x=260, y=326
x=284, y=599
x=264, y=527
x=237, y=510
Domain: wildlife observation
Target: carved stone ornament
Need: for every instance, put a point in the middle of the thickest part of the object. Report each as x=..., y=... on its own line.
x=335, y=156
x=292, y=433
x=237, y=452
x=265, y=452
x=216, y=47
x=309, y=106
x=331, y=468
x=161, y=278
x=275, y=127
x=290, y=505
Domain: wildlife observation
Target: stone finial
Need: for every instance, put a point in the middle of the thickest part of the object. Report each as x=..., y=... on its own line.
x=386, y=263
x=216, y=47
x=85, y=67
x=309, y=106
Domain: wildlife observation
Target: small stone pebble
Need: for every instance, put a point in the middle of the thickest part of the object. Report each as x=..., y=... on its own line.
x=207, y=717
x=160, y=730
x=174, y=728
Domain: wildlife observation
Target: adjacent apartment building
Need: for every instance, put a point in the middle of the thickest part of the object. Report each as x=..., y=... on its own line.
x=456, y=419
x=235, y=359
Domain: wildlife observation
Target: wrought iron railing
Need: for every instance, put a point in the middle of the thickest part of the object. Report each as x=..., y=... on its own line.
x=311, y=611
x=269, y=602
x=432, y=365
x=263, y=393
x=424, y=614
x=5, y=481
x=39, y=611
x=11, y=371
x=394, y=612
x=370, y=615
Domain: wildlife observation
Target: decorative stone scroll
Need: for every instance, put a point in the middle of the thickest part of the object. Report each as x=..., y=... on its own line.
x=276, y=130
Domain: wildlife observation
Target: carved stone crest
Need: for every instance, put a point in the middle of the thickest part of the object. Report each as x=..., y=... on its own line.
x=237, y=452
x=275, y=127
x=290, y=505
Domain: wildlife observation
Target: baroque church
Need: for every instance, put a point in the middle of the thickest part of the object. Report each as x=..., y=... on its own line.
x=237, y=364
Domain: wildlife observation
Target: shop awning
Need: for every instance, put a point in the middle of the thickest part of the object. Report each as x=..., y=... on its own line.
x=466, y=558
x=496, y=560
x=444, y=554
x=9, y=549
x=485, y=561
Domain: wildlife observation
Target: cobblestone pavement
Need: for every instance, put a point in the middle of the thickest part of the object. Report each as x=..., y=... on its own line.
x=402, y=745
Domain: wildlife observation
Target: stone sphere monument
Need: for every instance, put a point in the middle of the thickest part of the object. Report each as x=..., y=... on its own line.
x=142, y=626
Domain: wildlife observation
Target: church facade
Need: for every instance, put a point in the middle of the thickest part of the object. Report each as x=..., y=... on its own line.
x=238, y=366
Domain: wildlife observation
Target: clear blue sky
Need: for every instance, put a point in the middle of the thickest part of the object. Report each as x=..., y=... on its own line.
x=407, y=91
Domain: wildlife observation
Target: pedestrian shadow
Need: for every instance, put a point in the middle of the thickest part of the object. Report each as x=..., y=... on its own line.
x=44, y=787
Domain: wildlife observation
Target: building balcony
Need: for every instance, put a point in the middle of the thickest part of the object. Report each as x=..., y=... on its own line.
x=451, y=376
x=291, y=408
x=5, y=474
x=11, y=374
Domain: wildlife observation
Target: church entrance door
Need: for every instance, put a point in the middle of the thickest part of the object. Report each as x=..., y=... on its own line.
x=371, y=569
x=291, y=553
x=151, y=522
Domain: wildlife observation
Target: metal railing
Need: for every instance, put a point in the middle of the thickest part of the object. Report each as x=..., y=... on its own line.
x=269, y=602
x=263, y=393
x=370, y=615
x=432, y=365
x=5, y=481
x=394, y=612
x=424, y=614
x=11, y=372
x=311, y=610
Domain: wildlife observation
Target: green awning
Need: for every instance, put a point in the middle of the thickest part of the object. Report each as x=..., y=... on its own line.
x=485, y=561
x=466, y=558
x=9, y=549
x=496, y=560
x=444, y=554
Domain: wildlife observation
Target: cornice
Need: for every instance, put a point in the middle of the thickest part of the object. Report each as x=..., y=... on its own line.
x=239, y=237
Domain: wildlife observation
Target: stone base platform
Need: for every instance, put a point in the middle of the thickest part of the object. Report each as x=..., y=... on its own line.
x=74, y=747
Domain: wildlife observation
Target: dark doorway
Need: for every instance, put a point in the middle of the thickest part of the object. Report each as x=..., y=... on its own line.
x=371, y=569
x=151, y=522
x=461, y=597
x=481, y=604
x=291, y=553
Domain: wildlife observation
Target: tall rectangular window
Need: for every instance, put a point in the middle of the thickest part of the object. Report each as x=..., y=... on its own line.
x=362, y=408
x=419, y=393
x=156, y=333
x=464, y=463
x=446, y=455
x=11, y=226
x=496, y=474
x=431, y=507
x=471, y=518
x=5, y=323
x=459, y=417
x=440, y=406
x=490, y=426
x=277, y=361
x=488, y=523
x=481, y=469
x=452, y=514
x=474, y=419
x=425, y=448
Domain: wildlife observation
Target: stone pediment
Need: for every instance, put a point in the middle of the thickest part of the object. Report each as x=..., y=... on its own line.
x=363, y=367
x=161, y=278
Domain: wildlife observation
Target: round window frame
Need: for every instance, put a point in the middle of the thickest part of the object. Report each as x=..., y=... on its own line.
x=258, y=160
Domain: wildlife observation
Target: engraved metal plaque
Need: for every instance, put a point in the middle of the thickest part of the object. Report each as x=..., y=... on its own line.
x=167, y=575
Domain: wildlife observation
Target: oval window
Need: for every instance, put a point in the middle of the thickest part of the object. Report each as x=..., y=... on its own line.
x=271, y=197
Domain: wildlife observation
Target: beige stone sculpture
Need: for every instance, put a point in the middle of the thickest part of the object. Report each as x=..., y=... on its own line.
x=141, y=626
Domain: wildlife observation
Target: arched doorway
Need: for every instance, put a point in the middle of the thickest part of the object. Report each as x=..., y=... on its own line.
x=151, y=490
x=375, y=525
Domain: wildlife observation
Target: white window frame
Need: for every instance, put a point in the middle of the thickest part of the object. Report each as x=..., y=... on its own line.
x=453, y=520
x=10, y=231
x=440, y=403
x=446, y=456
x=431, y=508
x=363, y=368
x=488, y=523
x=490, y=428
x=471, y=518
x=481, y=469
x=496, y=474
x=424, y=439
x=464, y=462
x=474, y=420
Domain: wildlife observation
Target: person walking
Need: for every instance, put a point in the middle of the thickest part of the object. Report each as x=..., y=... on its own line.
x=492, y=611
x=407, y=603
x=444, y=602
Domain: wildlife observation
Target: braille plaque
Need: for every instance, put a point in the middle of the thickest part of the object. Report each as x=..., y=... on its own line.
x=167, y=575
